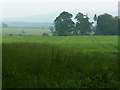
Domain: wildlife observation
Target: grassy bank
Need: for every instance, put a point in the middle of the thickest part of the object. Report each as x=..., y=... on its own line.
x=37, y=65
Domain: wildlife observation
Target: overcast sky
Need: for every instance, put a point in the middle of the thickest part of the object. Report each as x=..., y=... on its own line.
x=20, y=8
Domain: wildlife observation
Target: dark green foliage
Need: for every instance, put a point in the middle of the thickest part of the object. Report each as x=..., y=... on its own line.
x=119, y=26
x=63, y=24
x=40, y=65
x=107, y=25
x=83, y=23
x=45, y=34
x=10, y=34
x=104, y=24
x=51, y=29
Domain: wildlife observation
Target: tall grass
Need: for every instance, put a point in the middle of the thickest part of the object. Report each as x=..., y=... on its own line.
x=42, y=65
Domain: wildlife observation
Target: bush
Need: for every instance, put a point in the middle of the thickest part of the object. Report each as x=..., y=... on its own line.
x=10, y=34
x=45, y=34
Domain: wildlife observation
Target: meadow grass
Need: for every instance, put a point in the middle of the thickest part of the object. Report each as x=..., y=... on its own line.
x=40, y=65
x=77, y=42
x=28, y=31
x=60, y=62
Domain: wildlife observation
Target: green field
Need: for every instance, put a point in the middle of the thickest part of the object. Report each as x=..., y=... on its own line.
x=91, y=43
x=60, y=61
x=28, y=31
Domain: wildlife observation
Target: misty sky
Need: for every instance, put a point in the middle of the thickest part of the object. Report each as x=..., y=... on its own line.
x=20, y=8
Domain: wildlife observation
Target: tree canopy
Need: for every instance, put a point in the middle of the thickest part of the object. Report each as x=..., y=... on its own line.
x=104, y=24
x=107, y=24
x=83, y=23
x=64, y=24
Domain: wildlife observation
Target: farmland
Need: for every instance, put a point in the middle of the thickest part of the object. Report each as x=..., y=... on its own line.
x=27, y=31
x=60, y=61
x=77, y=42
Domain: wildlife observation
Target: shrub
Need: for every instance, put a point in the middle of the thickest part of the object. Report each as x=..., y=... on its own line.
x=45, y=34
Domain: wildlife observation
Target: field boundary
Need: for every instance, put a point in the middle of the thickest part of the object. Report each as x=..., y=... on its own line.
x=103, y=45
x=64, y=40
x=113, y=46
x=100, y=43
x=92, y=39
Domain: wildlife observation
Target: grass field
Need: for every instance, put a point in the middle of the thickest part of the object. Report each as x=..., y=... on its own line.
x=93, y=43
x=60, y=61
x=28, y=31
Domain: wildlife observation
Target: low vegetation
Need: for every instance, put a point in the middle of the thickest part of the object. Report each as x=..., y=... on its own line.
x=57, y=63
x=18, y=31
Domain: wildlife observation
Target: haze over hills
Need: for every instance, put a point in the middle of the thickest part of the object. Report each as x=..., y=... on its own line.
x=43, y=19
x=34, y=18
x=50, y=17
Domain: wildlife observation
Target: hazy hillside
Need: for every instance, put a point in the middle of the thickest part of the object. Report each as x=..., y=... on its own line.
x=50, y=17
x=29, y=24
x=43, y=20
x=35, y=18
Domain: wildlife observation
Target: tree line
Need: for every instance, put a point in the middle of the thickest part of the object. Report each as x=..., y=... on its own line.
x=104, y=24
x=4, y=25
